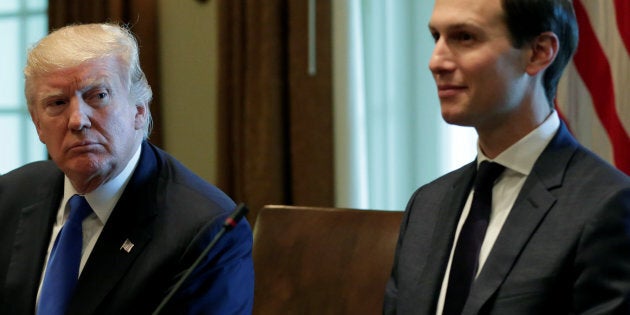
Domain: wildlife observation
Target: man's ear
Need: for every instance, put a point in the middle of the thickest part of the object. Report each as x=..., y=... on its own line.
x=544, y=51
x=141, y=116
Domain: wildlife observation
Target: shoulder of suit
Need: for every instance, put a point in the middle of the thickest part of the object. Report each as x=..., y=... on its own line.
x=32, y=172
x=595, y=168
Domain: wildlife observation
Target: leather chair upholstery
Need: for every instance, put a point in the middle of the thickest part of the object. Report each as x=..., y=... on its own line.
x=322, y=260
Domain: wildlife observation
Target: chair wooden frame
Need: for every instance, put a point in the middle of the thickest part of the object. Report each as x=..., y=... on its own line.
x=322, y=260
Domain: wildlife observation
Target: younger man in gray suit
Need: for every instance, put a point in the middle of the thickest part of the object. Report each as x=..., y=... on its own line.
x=550, y=233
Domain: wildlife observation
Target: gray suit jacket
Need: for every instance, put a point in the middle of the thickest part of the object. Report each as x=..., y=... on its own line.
x=564, y=248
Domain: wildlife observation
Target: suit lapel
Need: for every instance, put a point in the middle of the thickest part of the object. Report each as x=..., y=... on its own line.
x=530, y=208
x=31, y=242
x=108, y=263
x=442, y=241
x=518, y=228
x=130, y=222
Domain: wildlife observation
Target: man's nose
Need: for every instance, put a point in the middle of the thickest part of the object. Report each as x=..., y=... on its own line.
x=442, y=58
x=79, y=114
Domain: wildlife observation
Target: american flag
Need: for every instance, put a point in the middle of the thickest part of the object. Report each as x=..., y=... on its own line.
x=594, y=93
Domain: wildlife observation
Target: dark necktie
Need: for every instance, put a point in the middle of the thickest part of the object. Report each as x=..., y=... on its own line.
x=62, y=270
x=466, y=257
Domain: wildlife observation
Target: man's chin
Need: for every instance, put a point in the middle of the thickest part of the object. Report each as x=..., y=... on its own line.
x=452, y=112
x=454, y=119
x=84, y=166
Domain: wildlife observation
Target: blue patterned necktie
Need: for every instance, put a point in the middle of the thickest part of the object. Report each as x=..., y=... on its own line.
x=466, y=257
x=62, y=271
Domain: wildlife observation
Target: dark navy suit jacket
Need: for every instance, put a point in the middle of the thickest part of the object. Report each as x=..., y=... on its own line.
x=166, y=211
x=564, y=248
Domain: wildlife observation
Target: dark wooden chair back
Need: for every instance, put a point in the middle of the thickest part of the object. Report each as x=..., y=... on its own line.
x=322, y=260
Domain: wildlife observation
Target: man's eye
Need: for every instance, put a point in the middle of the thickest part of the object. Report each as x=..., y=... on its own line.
x=55, y=107
x=463, y=36
x=97, y=98
x=99, y=95
x=436, y=36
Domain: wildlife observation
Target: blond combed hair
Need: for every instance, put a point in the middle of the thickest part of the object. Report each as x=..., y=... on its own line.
x=73, y=45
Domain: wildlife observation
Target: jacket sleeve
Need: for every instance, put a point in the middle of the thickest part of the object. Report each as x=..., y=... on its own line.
x=602, y=284
x=223, y=283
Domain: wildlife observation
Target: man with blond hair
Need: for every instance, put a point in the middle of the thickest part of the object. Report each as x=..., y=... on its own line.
x=112, y=223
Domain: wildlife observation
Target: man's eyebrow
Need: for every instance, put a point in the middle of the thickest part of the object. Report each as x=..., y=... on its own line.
x=50, y=92
x=456, y=26
x=102, y=82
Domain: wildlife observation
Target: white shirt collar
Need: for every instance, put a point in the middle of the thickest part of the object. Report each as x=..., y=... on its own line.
x=521, y=156
x=104, y=198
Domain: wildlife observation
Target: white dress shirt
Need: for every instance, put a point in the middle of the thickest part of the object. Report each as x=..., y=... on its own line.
x=102, y=201
x=518, y=160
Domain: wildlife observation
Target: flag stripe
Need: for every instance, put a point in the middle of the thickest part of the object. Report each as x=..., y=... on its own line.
x=576, y=104
x=594, y=68
x=622, y=9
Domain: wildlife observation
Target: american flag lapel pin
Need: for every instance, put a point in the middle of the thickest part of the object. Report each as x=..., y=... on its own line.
x=127, y=246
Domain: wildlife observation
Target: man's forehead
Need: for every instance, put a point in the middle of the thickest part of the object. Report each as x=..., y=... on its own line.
x=460, y=13
x=77, y=78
